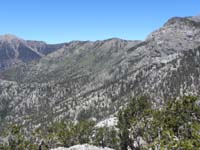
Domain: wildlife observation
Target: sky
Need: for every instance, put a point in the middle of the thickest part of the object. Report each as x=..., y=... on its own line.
x=57, y=21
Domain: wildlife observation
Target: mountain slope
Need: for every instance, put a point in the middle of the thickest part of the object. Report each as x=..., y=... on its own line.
x=85, y=57
x=14, y=50
x=95, y=79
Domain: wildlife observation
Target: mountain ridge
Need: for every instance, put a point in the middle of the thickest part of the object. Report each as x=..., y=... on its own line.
x=83, y=80
x=14, y=50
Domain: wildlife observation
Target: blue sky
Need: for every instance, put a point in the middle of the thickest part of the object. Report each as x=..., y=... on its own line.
x=56, y=21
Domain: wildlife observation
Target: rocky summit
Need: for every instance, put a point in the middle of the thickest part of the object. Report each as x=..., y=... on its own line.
x=42, y=83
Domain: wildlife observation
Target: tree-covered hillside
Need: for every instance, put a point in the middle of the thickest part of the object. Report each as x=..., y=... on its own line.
x=141, y=126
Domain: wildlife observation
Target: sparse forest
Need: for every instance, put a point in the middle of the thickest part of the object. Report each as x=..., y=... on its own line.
x=175, y=126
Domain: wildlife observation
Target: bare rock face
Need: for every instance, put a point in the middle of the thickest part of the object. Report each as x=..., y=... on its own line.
x=84, y=79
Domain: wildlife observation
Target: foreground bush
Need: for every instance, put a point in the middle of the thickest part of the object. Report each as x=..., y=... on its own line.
x=175, y=126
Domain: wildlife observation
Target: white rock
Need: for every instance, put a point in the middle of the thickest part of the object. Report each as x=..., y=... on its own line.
x=110, y=122
x=82, y=147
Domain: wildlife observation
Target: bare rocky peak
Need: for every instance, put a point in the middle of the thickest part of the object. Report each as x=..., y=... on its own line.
x=178, y=34
x=9, y=38
x=195, y=18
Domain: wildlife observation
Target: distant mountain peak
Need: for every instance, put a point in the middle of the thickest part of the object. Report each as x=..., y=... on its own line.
x=184, y=21
x=9, y=38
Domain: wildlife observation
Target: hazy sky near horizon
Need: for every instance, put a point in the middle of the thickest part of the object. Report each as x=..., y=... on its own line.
x=56, y=21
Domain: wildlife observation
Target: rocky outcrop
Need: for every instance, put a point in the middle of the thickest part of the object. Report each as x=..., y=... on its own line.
x=83, y=147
